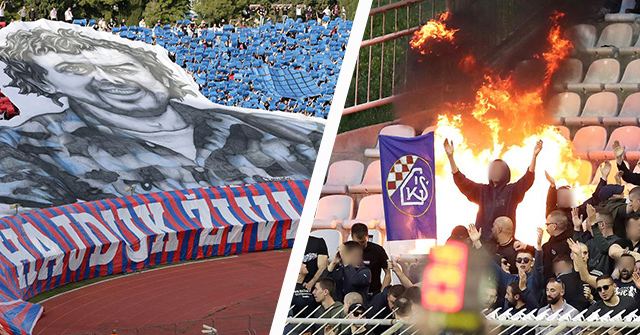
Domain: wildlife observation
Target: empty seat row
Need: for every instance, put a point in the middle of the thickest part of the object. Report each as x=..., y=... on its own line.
x=622, y=15
x=603, y=74
x=336, y=212
x=591, y=142
x=600, y=109
x=347, y=177
x=616, y=38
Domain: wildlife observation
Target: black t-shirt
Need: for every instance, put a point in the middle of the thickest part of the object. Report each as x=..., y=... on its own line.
x=315, y=247
x=626, y=303
x=302, y=298
x=375, y=258
x=627, y=289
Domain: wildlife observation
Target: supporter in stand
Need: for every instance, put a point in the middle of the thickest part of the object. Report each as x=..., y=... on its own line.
x=316, y=259
x=374, y=257
x=557, y=227
x=323, y=293
x=303, y=301
x=499, y=197
x=611, y=303
x=555, y=299
x=68, y=15
x=348, y=272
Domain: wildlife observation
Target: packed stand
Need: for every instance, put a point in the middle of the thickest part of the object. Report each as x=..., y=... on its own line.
x=289, y=66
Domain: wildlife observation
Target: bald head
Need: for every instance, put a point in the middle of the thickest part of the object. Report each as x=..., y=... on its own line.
x=503, y=228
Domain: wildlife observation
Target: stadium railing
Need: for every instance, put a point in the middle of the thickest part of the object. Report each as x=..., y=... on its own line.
x=498, y=322
x=382, y=65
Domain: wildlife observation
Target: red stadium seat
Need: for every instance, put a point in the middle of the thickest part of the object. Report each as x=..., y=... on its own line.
x=589, y=139
x=628, y=136
x=598, y=106
x=372, y=181
x=564, y=131
x=332, y=211
x=342, y=174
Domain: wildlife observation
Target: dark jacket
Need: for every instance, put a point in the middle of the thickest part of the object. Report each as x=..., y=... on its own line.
x=618, y=209
x=535, y=281
x=494, y=200
x=574, y=290
x=350, y=279
x=628, y=175
x=599, y=260
x=557, y=245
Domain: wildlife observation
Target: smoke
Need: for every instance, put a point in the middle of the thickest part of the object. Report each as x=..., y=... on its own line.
x=453, y=72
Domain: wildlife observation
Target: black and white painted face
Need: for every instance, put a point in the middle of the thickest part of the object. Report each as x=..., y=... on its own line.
x=106, y=78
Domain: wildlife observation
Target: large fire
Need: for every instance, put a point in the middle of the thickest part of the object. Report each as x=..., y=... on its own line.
x=432, y=31
x=505, y=122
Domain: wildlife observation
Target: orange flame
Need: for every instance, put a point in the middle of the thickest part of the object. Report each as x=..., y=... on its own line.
x=506, y=122
x=559, y=48
x=432, y=31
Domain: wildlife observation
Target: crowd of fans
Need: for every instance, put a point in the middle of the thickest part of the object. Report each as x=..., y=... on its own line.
x=290, y=65
x=590, y=262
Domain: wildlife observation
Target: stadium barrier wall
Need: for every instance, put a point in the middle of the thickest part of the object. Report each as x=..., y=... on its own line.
x=47, y=248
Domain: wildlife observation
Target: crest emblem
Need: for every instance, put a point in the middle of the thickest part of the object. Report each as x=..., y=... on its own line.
x=409, y=185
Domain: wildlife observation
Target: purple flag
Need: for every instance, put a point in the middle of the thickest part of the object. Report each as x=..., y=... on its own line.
x=408, y=186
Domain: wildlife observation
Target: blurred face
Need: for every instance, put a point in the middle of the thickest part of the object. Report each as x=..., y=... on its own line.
x=606, y=289
x=319, y=294
x=554, y=292
x=633, y=229
x=355, y=257
x=497, y=172
x=565, y=198
x=562, y=267
x=584, y=252
x=626, y=265
x=524, y=261
x=107, y=79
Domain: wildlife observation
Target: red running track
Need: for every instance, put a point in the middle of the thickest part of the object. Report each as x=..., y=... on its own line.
x=235, y=294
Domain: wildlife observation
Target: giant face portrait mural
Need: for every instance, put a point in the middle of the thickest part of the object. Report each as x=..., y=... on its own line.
x=104, y=117
x=123, y=165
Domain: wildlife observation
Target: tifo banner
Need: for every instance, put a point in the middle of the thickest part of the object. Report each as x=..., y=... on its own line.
x=104, y=117
x=47, y=248
x=408, y=186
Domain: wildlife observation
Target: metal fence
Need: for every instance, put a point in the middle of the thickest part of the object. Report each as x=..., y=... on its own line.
x=383, y=62
x=497, y=322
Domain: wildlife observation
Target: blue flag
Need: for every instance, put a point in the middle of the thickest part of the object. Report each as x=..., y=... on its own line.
x=408, y=186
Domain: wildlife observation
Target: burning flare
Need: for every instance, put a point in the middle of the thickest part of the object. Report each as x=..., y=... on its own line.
x=505, y=122
x=432, y=31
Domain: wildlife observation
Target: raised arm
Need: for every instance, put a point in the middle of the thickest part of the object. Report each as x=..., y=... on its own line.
x=627, y=175
x=552, y=194
x=469, y=188
x=536, y=152
x=579, y=265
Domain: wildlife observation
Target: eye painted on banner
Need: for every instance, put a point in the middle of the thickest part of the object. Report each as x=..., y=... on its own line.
x=127, y=68
x=74, y=68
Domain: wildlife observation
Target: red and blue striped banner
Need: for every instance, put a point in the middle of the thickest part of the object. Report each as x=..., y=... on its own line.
x=47, y=248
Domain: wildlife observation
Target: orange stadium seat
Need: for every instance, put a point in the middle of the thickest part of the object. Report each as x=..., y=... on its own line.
x=564, y=105
x=370, y=212
x=582, y=36
x=332, y=211
x=371, y=182
x=341, y=174
x=399, y=130
x=570, y=72
x=628, y=113
x=599, y=105
x=564, y=131
x=589, y=139
x=615, y=35
x=601, y=72
x=628, y=136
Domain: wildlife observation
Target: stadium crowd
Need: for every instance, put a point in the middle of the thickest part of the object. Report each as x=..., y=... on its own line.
x=290, y=65
x=590, y=262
